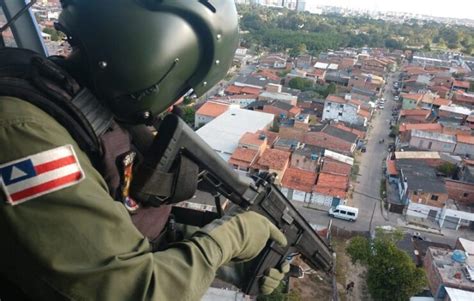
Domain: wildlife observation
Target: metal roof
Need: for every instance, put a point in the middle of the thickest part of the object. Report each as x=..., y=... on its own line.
x=224, y=132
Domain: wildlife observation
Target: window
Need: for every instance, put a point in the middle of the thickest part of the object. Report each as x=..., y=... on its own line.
x=343, y=212
x=340, y=114
x=430, y=145
x=329, y=104
x=465, y=195
x=434, y=197
x=415, y=192
x=341, y=106
x=351, y=213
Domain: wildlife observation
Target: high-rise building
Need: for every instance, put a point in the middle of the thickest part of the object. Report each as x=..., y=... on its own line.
x=309, y=6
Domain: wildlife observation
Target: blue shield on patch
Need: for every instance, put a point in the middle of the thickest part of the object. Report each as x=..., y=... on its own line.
x=17, y=172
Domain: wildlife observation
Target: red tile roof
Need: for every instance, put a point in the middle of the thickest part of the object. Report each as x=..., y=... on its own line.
x=251, y=91
x=212, y=109
x=433, y=127
x=331, y=184
x=417, y=112
x=441, y=102
x=364, y=113
x=356, y=102
x=465, y=139
x=335, y=98
x=342, y=126
x=392, y=168
x=251, y=139
x=243, y=157
x=413, y=96
x=298, y=179
x=232, y=89
x=274, y=159
x=335, y=167
x=462, y=84
x=271, y=136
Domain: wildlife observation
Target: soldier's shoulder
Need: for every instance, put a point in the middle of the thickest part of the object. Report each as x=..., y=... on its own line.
x=14, y=110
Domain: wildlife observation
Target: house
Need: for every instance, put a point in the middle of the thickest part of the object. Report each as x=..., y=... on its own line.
x=429, y=102
x=344, y=109
x=465, y=145
x=339, y=77
x=246, y=90
x=241, y=101
x=405, y=130
x=445, y=270
x=410, y=100
x=364, y=92
x=461, y=192
x=359, y=131
x=208, y=112
x=236, y=123
x=281, y=110
x=297, y=184
x=335, y=167
x=432, y=141
x=306, y=157
x=243, y=158
x=442, y=91
x=278, y=96
x=274, y=60
x=463, y=99
x=414, y=116
x=331, y=185
x=461, y=85
x=419, y=184
x=333, y=139
x=453, y=115
x=286, y=144
x=273, y=161
x=304, y=61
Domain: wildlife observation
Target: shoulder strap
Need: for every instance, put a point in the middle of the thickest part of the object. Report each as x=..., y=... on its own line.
x=26, y=75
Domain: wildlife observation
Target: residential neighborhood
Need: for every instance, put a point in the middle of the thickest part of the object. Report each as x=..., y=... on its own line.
x=392, y=138
x=364, y=141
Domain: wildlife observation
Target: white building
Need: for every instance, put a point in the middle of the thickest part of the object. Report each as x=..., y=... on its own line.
x=309, y=6
x=339, y=109
x=224, y=132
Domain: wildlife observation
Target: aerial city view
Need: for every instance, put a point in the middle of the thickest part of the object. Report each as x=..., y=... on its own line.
x=360, y=114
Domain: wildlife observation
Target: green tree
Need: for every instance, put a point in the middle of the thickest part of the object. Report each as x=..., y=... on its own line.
x=448, y=169
x=391, y=272
x=189, y=114
x=300, y=83
x=330, y=89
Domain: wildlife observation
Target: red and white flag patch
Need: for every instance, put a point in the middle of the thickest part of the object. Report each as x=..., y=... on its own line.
x=40, y=174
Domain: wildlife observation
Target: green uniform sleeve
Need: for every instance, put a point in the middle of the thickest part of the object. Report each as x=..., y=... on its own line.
x=79, y=244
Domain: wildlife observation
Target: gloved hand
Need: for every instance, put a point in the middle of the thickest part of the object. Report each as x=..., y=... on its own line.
x=237, y=237
x=273, y=277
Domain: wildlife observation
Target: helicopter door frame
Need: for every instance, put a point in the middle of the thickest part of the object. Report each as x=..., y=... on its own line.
x=25, y=29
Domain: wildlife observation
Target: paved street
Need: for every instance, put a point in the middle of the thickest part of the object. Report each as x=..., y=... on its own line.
x=367, y=186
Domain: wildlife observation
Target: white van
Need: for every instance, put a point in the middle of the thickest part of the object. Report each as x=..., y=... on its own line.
x=344, y=212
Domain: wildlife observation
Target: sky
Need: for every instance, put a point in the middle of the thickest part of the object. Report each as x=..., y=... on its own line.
x=453, y=8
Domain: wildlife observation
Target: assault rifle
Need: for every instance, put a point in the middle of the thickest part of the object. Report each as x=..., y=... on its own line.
x=176, y=139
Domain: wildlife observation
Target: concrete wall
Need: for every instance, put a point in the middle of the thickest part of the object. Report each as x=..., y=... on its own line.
x=464, y=149
x=201, y=120
x=302, y=162
x=461, y=192
x=432, y=145
x=425, y=198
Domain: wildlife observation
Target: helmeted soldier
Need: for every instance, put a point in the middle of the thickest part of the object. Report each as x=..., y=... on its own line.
x=71, y=228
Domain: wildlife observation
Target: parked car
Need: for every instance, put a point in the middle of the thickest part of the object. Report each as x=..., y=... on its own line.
x=397, y=98
x=344, y=212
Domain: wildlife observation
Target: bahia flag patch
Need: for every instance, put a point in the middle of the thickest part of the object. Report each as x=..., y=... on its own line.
x=40, y=174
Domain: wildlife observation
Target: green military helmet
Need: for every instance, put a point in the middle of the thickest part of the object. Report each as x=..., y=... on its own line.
x=142, y=55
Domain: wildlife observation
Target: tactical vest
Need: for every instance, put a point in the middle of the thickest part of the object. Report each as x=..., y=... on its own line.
x=26, y=75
